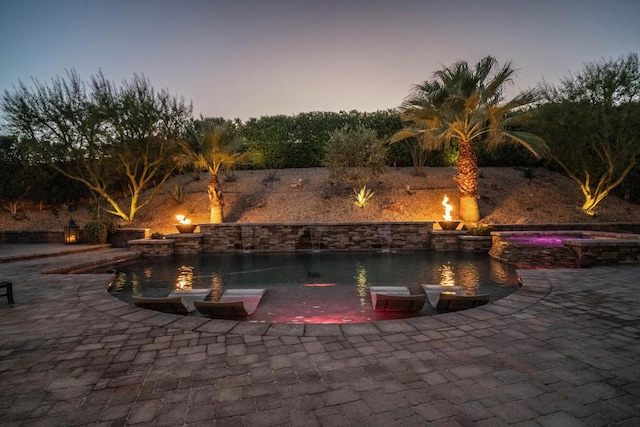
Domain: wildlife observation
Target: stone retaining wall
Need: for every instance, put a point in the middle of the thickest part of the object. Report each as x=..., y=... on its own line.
x=475, y=243
x=186, y=243
x=610, y=227
x=153, y=247
x=292, y=237
x=587, y=248
x=600, y=252
x=446, y=240
x=531, y=256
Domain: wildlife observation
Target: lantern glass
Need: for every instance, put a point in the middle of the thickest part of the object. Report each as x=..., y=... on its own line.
x=71, y=232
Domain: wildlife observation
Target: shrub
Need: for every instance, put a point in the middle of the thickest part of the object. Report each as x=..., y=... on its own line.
x=299, y=141
x=97, y=231
x=355, y=155
x=479, y=230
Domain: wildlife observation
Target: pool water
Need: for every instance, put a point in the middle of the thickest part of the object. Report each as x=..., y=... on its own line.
x=316, y=287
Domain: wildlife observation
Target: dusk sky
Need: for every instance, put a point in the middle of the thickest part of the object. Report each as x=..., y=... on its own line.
x=252, y=58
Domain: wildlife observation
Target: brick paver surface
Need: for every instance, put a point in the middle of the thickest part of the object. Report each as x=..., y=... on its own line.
x=562, y=351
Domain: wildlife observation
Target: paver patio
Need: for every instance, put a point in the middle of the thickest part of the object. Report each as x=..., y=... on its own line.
x=562, y=351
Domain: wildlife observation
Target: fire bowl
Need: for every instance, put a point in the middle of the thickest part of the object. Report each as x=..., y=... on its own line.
x=186, y=228
x=448, y=225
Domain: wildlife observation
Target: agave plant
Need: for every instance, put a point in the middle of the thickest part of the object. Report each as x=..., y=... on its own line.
x=363, y=196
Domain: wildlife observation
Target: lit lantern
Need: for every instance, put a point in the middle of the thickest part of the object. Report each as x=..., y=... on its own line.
x=71, y=232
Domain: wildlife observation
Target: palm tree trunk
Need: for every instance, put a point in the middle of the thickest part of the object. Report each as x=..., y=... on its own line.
x=216, y=202
x=467, y=180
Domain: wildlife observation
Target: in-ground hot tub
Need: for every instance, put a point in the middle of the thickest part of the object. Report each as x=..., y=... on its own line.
x=561, y=249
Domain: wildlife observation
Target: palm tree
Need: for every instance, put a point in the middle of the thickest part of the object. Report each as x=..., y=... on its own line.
x=464, y=106
x=212, y=146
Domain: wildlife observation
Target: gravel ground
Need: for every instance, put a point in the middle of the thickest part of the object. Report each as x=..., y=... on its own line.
x=306, y=195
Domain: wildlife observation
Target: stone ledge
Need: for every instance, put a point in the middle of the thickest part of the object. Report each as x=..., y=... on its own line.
x=151, y=242
x=153, y=247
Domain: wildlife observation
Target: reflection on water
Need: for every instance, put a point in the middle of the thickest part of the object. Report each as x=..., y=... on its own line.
x=361, y=283
x=185, y=278
x=468, y=277
x=315, y=287
x=502, y=273
x=465, y=275
x=447, y=275
x=216, y=287
x=135, y=284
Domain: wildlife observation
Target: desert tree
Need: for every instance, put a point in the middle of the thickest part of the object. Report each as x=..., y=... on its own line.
x=464, y=106
x=112, y=139
x=212, y=146
x=590, y=121
x=15, y=174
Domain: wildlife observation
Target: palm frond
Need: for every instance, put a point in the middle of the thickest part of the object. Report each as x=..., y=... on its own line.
x=493, y=88
x=463, y=103
x=531, y=142
x=211, y=146
x=403, y=134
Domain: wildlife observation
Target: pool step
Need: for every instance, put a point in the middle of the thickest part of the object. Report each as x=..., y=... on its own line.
x=24, y=251
x=99, y=261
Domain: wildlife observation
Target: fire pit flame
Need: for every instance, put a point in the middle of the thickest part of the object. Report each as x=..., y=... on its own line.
x=448, y=223
x=447, y=208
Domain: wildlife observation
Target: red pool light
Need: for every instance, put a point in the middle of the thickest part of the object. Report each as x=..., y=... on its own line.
x=318, y=285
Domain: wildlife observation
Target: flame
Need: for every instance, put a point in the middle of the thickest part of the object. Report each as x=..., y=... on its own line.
x=182, y=219
x=447, y=208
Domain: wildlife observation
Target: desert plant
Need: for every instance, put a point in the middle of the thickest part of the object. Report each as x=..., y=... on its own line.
x=363, y=196
x=177, y=193
x=11, y=207
x=355, y=155
x=270, y=175
x=479, y=230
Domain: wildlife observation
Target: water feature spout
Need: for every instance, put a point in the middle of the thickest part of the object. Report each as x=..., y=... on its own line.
x=247, y=238
x=315, y=233
x=384, y=232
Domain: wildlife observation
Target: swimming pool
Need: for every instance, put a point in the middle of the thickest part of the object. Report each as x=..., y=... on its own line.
x=321, y=287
